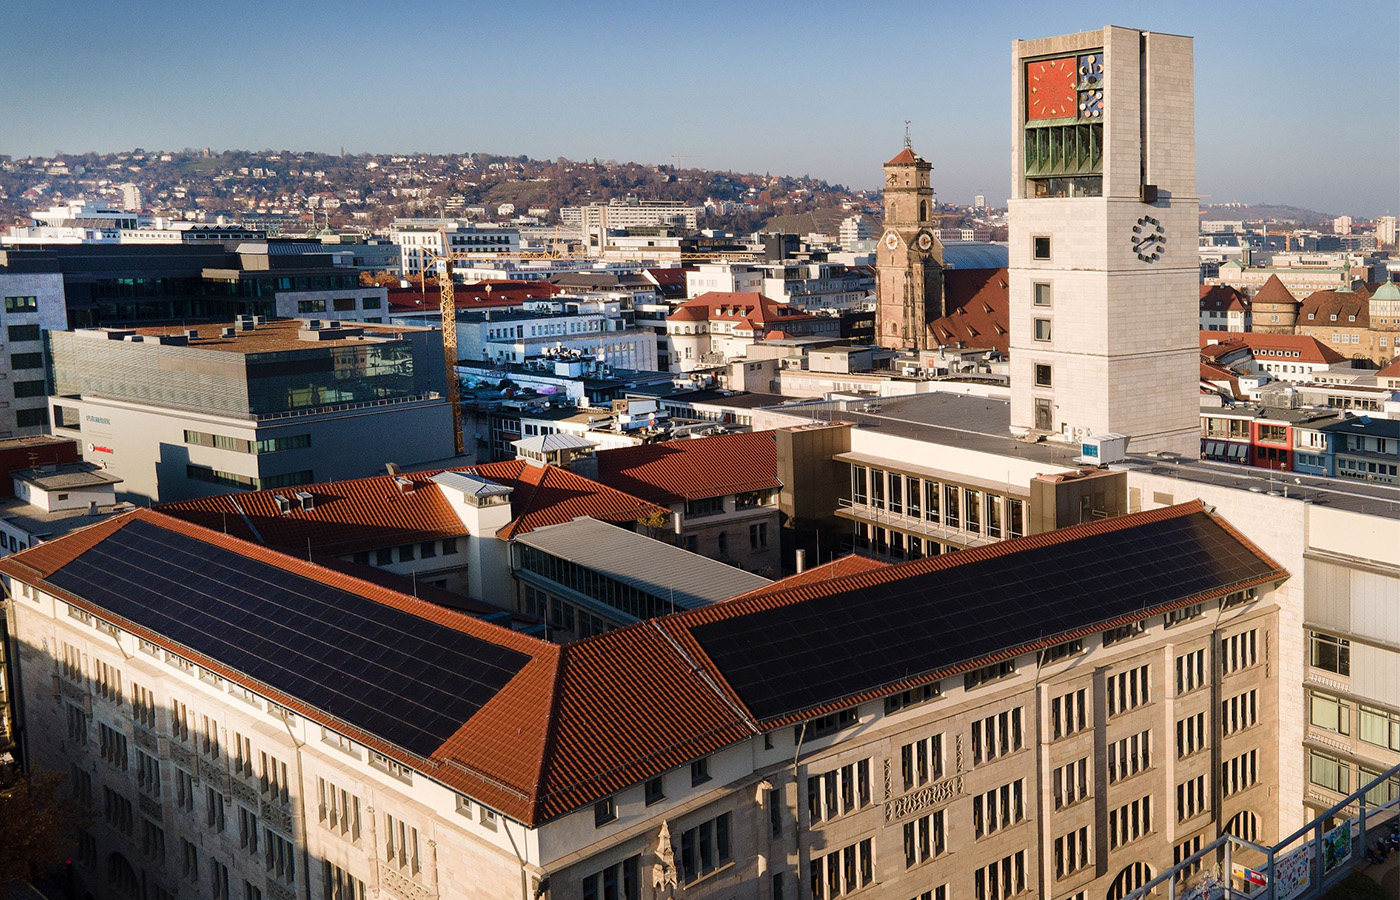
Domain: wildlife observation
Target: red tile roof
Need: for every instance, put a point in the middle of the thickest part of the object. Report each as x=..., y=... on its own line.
x=1269, y=346
x=675, y=471
x=1223, y=298
x=1274, y=292
x=369, y=513
x=977, y=302
x=749, y=311
x=904, y=157
x=1352, y=309
x=838, y=568
x=1390, y=371
x=479, y=295
x=581, y=722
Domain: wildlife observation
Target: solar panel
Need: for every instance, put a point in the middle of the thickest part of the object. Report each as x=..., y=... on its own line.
x=786, y=659
x=409, y=680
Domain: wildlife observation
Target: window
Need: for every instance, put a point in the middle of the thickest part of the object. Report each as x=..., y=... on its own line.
x=407, y=553
x=1245, y=824
x=912, y=697
x=1329, y=712
x=1042, y=329
x=116, y=809
x=842, y=871
x=1190, y=735
x=655, y=790
x=113, y=746
x=1239, y=651
x=1326, y=771
x=1191, y=799
x=1185, y=614
x=1376, y=726
x=827, y=724
x=620, y=881
x=189, y=866
x=370, y=303
x=449, y=546
x=214, y=809
x=1070, y=783
x=985, y=674
x=279, y=858
x=248, y=830
x=1127, y=690
x=339, y=884
x=30, y=389
x=1002, y=879
x=26, y=361
x=604, y=811
x=107, y=681
x=250, y=891
x=860, y=477
x=1239, y=773
x=998, y=808
x=1129, y=822
x=758, y=536
x=147, y=774
x=343, y=304
x=1124, y=632
x=1067, y=715
x=1130, y=879
x=1040, y=247
x=1043, y=376
x=996, y=736
x=1190, y=671
x=273, y=778
x=1129, y=756
x=218, y=880
x=77, y=725
x=310, y=306
x=32, y=418
x=1071, y=852
x=1040, y=293
x=80, y=781
x=924, y=838
x=704, y=848
x=21, y=304
x=384, y=556
x=921, y=761
x=1239, y=712
x=835, y=793
x=1330, y=653
x=700, y=771
x=339, y=809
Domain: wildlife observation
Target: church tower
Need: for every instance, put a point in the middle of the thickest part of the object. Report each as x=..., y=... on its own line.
x=1104, y=279
x=909, y=257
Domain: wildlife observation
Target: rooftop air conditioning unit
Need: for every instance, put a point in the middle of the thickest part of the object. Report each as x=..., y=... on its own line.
x=284, y=505
x=305, y=499
x=1103, y=449
x=228, y=332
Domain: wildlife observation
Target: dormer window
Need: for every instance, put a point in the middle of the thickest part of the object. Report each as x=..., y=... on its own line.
x=1334, y=317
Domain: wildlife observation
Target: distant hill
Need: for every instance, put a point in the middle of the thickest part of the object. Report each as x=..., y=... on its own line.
x=1272, y=212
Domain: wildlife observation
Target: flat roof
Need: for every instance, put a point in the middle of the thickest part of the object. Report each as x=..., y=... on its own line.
x=66, y=476
x=38, y=522
x=688, y=579
x=277, y=335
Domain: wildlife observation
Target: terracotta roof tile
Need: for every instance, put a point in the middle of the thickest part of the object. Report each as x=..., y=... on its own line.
x=1308, y=348
x=1223, y=298
x=1274, y=292
x=904, y=157
x=1352, y=309
x=675, y=471
x=977, y=302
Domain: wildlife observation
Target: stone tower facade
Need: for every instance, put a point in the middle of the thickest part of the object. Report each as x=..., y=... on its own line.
x=1273, y=309
x=909, y=257
x=1104, y=297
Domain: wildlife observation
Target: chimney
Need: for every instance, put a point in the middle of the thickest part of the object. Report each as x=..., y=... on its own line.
x=92, y=508
x=392, y=468
x=404, y=485
x=284, y=505
x=801, y=561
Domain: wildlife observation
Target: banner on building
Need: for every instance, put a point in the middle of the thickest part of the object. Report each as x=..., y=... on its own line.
x=1293, y=872
x=1336, y=847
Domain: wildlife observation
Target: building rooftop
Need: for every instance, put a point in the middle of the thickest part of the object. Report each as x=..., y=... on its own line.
x=66, y=476
x=276, y=336
x=662, y=570
x=369, y=513
x=693, y=469
x=534, y=730
x=974, y=255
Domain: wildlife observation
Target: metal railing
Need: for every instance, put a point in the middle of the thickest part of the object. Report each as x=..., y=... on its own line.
x=1321, y=858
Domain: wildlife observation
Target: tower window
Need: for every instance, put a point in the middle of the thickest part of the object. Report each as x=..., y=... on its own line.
x=1041, y=296
x=1040, y=247
x=1043, y=376
x=1042, y=329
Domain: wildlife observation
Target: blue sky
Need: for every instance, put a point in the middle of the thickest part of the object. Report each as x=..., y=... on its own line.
x=1296, y=102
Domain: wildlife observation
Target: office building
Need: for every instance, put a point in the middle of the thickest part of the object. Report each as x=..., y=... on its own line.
x=33, y=304
x=185, y=412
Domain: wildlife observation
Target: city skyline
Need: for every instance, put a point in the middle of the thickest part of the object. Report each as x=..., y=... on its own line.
x=825, y=95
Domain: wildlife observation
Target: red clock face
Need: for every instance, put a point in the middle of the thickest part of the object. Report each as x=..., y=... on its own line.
x=1050, y=89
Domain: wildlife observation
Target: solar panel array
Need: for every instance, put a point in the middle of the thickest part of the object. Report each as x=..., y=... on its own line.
x=406, y=679
x=787, y=659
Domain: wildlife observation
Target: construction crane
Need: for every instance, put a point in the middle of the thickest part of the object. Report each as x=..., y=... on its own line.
x=447, y=304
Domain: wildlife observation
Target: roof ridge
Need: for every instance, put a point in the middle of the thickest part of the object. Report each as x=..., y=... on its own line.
x=551, y=734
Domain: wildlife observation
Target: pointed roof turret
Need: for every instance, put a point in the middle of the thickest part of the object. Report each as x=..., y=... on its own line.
x=1274, y=291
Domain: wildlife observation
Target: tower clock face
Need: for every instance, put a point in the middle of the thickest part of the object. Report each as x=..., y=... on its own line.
x=1051, y=89
x=925, y=241
x=1149, y=239
x=892, y=241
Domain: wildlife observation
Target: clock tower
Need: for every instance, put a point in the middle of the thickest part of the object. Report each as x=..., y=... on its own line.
x=1102, y=222
x=908, y=257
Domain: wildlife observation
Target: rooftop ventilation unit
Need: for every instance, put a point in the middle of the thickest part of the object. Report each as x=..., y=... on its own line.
x=191, y=333
x=404, y=484
x=1103, y=449
x=228, y=332
x=259, y=320
x=284, y=505
x=305, y=499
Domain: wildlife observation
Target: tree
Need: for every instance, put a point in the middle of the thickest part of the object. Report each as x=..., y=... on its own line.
x=36, y=826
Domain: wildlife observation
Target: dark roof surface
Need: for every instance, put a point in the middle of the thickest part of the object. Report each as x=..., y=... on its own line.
x=932, y=615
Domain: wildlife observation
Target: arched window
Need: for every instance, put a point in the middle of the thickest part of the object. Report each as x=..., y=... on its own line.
x=121, y=876
x=1244, y=825
x=1129, y=880
x=923, y=210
